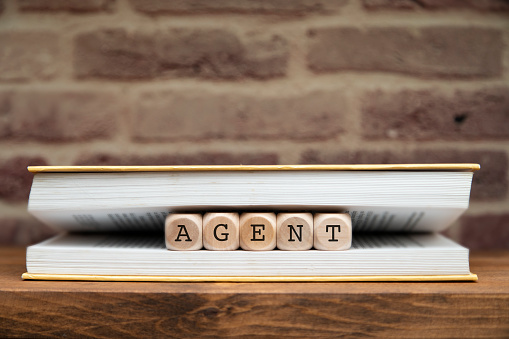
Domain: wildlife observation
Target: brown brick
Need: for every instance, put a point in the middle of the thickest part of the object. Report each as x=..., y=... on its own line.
x=15, y=180
x=66, y=5
x=115, y=53
x=312, y=156
x=389, y=4
x=209, y=53
x=203, y=158
x=490, y=183
x=484, y=5
x=28, y=55
x=5, y=117
x=485, y=232
x=431, y=115
x=58, y=115
x=221, y=54
x=213, y=53
x=281, y=7
x=265, y=56
x=198, y=115
x=23, y=231
x=431, y=51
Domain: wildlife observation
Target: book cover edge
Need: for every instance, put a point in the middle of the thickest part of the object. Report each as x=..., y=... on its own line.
x=372, y=167
x=367, y=278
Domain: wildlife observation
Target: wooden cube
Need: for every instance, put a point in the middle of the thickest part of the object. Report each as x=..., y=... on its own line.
x=258, y=231
x=183, y=232
x=294, y=231
x=332, y=231
x=221, y=231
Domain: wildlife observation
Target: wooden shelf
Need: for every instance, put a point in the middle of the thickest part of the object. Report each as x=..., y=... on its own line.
x=120, y=309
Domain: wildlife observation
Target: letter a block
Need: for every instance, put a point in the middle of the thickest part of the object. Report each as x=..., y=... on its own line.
x=221, y=231
x=332, y=231
x=258, y=231
x=294, y=231
x=183, y=232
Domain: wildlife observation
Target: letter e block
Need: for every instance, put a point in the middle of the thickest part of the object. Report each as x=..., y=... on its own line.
x=294, y=231
x=221, y=231
x=258, y=231
x=332, y=231
x=183, y=232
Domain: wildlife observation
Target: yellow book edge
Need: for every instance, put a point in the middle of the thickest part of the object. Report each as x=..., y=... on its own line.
x=386, y=167
x=145, y=278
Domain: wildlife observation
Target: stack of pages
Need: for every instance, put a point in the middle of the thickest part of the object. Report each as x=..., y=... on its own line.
x=112, y=221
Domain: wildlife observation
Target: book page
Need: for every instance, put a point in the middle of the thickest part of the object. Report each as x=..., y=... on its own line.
x=106, y=240
x=121, y=220
x=116, y=254
x=403, y=201
x=394, y=241
x=364, y=219
x=399, y=219
x=361, y=241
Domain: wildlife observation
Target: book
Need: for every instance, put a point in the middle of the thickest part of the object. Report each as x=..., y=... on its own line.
x=403, y=198
x=145, y=258
x=119, y=213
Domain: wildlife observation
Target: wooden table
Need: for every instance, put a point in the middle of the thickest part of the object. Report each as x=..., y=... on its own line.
x=119, y=309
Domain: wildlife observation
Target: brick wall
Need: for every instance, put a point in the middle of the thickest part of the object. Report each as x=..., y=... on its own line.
x=256, y=82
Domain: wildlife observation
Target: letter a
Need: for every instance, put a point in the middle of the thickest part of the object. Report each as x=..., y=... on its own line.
x=182, y=233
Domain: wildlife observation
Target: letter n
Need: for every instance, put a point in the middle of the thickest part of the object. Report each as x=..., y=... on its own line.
x=293, y=231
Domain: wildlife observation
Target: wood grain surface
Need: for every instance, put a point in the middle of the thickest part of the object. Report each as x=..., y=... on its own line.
x=350, y=310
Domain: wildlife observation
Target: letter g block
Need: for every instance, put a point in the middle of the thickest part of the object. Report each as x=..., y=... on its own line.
x=221, y=231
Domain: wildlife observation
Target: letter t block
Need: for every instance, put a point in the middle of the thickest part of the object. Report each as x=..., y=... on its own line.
x=332, y=231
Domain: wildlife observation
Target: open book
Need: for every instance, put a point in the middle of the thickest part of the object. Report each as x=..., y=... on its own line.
x=119, y=257
x=134, y=201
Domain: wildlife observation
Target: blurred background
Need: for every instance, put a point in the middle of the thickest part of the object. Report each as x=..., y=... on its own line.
x=161, y=82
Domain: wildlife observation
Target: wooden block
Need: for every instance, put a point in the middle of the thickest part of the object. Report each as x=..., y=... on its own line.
x=221, y=231
x=294, y=231
x=258, y=231
x=332, y=231
x=183, y=232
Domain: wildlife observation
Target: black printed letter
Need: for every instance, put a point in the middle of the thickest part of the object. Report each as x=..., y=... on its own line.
x=225, y=234
x=299, y=236
x=182, y=233
x=333, y=227
x=259, y=232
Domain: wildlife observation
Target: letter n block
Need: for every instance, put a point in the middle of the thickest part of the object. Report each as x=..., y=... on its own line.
x=332, y=231
x=221, y=231
x=183, y=232
x=258, y=231
x=294, y=231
